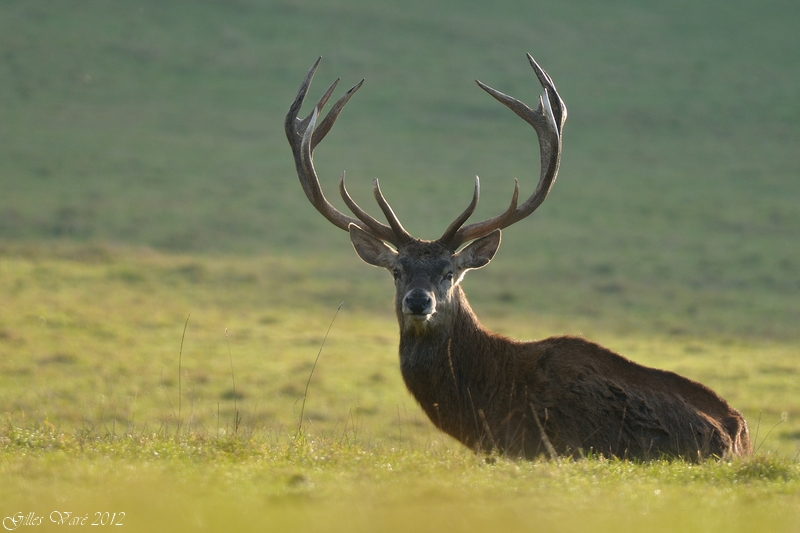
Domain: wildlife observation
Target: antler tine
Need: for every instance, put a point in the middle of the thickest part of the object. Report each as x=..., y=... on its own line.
x=327, y=123
x=459, y=221
x=548, y=121
x=294, y=109
x=394, y=222
x=378, y=228
x=304, y=135
x=559, y=109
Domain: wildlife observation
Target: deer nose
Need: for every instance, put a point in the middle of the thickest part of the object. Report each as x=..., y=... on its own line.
x=418, y=302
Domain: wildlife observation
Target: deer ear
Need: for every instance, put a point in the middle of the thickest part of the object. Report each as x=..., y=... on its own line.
x=478, y=253
x=371, y=249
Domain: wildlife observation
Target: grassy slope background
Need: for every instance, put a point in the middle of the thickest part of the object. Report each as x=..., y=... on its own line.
x=145, y=176
x=161, y=124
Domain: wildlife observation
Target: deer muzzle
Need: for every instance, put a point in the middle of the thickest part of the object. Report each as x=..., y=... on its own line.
x=419, y=304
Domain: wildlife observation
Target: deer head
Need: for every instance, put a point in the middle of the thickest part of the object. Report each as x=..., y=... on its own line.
x=426, y=273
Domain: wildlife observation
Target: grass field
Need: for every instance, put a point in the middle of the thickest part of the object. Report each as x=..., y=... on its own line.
x=165, y=287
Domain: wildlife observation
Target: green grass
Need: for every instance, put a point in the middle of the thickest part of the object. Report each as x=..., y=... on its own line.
x=108, y=412
x=145, y=178
x=198, y=483
x=91, y=336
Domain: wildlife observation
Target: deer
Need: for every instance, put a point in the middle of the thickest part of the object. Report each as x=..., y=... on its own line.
x=559, y=397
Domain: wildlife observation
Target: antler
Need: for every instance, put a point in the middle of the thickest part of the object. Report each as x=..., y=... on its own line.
x=548, y=121
x=304, y=135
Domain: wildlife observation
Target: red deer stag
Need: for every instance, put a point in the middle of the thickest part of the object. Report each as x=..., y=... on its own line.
x=559, y=396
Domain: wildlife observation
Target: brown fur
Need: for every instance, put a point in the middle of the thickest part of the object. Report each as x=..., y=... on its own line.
x=560, y=396
x=488, y=391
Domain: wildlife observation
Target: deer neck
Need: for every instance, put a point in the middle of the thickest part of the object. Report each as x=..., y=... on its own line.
x=439, y=365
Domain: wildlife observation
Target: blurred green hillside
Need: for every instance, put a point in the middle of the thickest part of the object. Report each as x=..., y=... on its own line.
x=160, y=124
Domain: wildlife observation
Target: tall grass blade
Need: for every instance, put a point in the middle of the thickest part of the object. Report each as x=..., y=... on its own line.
x=310, y=374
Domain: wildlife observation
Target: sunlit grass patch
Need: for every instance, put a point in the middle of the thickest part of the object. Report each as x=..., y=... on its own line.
x=112, y=412
x=199, y=481
x=93, y=336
